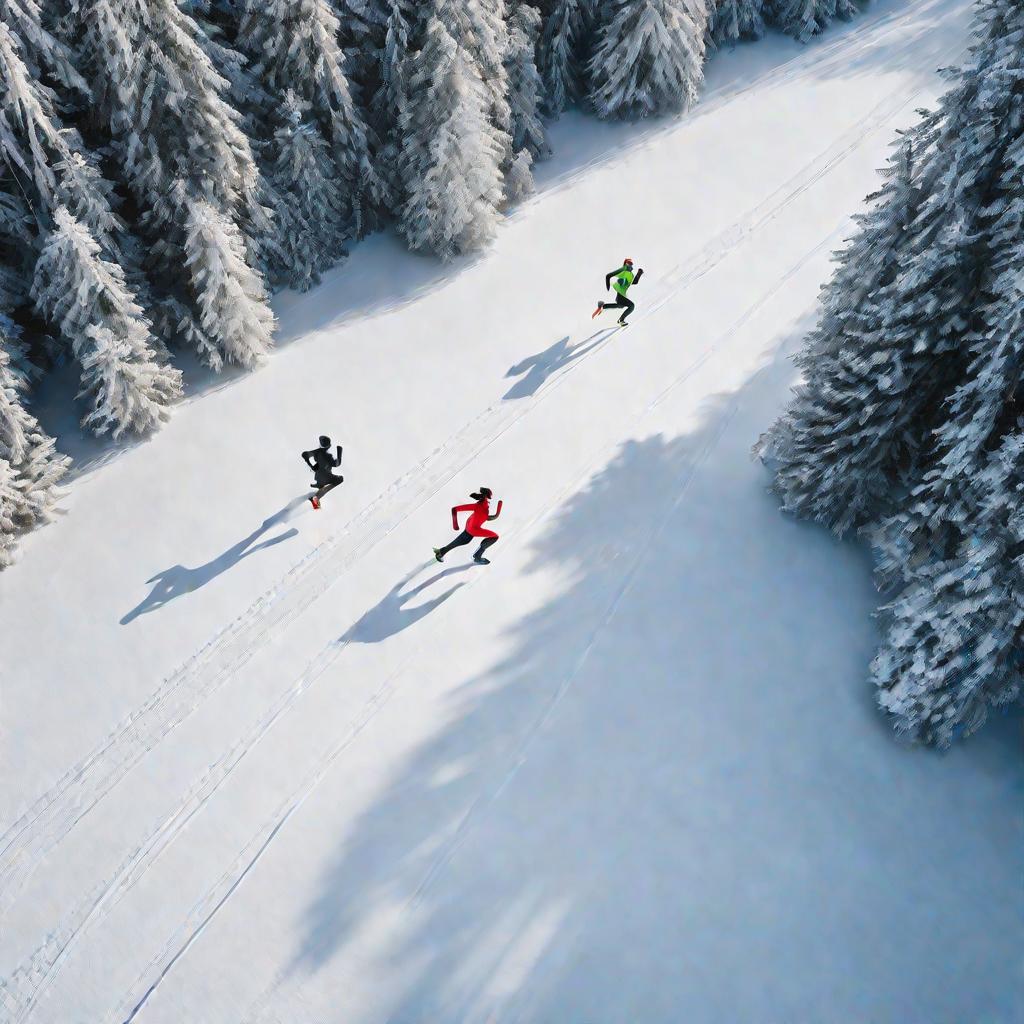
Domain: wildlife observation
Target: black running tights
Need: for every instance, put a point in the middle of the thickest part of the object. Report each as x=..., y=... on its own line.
x=468, y=538
x=621, y=301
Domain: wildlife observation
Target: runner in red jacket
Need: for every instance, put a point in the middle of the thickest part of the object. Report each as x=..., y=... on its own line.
x=480, y=513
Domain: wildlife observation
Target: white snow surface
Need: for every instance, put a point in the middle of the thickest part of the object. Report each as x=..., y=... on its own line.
x=630, y=772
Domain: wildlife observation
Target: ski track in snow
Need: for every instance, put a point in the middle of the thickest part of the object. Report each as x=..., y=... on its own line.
x=259, y=1009
x=215, y=898
x=480, y=805
x=837, y=53
x=56, y=813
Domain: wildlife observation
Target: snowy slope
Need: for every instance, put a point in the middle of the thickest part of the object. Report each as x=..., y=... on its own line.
x=631, y=771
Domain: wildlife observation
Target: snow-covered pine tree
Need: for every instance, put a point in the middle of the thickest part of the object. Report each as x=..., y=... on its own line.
x=486, y=37
x=156, y=89
x=954, y=637
x=30, y=467
x=848, y=440
x=954, y=633
x=363, y=27
x=732, y=20
x=174, y=320
x=479, y=29
x=11, y=505
x=947, y=432
x=524, y=83
x=44, y=160
x=230, y=296
x=803, y=19
x=17, y=241
x=564, y=52
x=648, y=58
x=311, y=210
x=529, y=139
x=42, y=52
x=452, y=155
x=387, y=100
x=85, y=296
x=181, y=145
x=256, y=109
x=969, y=261
x=293, y=46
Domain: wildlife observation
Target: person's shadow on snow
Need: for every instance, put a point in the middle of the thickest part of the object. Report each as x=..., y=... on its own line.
x=179, y=579
x=390, y=616
x=538, y=368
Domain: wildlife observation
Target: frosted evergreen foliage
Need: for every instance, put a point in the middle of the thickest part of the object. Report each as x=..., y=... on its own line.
x=293, y=46
x=958, y=290
x=954, y=642
x=11, y=512
x=487, y=41
x=232, y=302
x=30, y=467
x=43, y=53
x=929, y=339
x=175, y=323
x=803, y=19
x=388, y=101
x=564, y=52
x=648, y=58
x=45, y=159
x=164, y=102
x=257, y=110
x=17, y=246
x=311, y=211
x=128, y=389
x=519, y=181
x=850, y=436
x=524, y=84
x=732, y=20
x=479, y=29
x=184, y=151
x=363, y=25
x=451, y=159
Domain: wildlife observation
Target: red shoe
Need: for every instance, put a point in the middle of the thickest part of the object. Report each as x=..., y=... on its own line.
x=600, y=306
x=315, y=501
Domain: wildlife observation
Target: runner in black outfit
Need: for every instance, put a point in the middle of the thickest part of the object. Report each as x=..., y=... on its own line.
x=321, y=461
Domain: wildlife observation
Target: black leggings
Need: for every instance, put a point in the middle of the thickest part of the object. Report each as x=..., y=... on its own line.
x=468, y=538
x=621, y=300
x=325, y=484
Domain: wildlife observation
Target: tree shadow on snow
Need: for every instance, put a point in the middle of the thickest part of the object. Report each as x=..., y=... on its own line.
x=666, y=800
x=390, y=615
x=538, y=368
x=178, y=580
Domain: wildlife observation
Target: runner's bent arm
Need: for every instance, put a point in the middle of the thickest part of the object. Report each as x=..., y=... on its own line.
x=496, y=513
x=456, y=510
x=608, y=277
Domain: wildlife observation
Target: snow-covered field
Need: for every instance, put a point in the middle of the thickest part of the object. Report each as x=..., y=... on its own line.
x=262, y=764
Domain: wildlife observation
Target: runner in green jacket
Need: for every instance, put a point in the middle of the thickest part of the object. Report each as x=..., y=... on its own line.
x=624, y=277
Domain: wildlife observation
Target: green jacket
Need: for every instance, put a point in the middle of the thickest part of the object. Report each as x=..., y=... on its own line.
x=624, y=277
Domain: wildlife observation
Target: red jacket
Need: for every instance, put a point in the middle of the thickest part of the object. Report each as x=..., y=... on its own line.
x=480, y=514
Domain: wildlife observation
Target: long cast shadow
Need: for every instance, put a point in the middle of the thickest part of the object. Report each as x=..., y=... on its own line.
x=180, y=579
x=715, y=790
x=539, y=367
x=390, y=616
